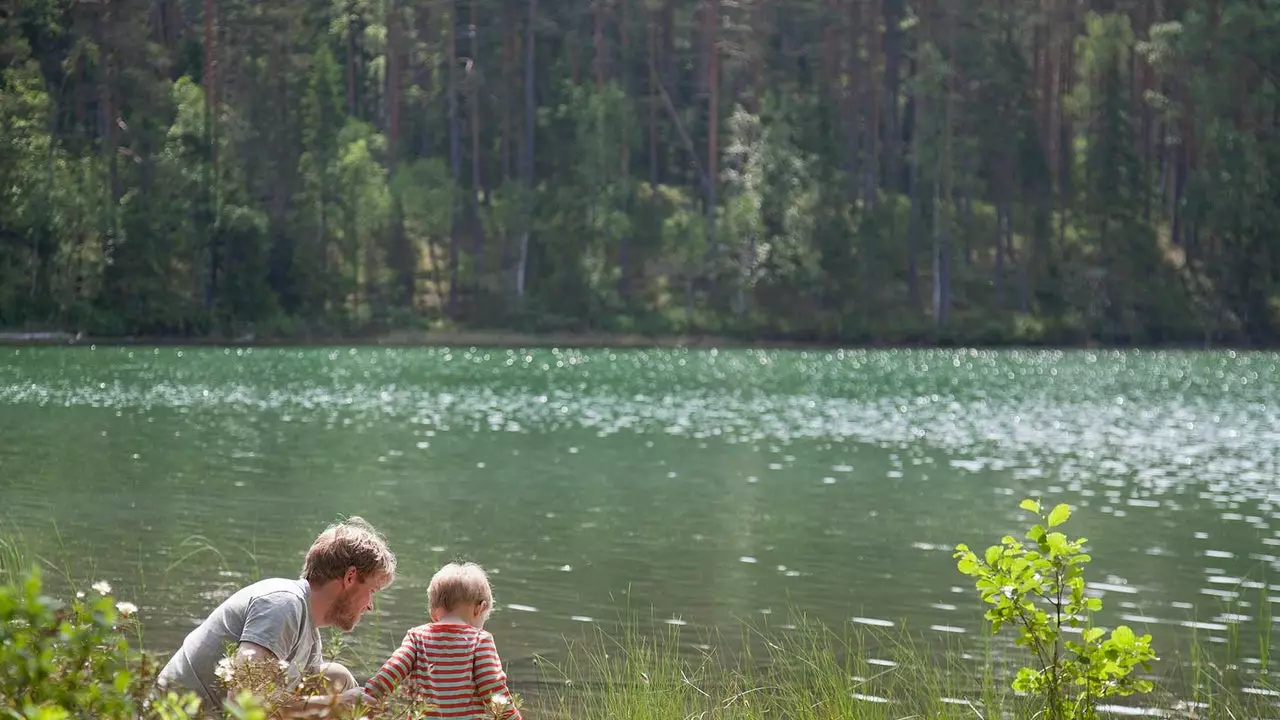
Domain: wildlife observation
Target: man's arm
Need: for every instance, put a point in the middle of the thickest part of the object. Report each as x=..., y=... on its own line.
x=302, y=706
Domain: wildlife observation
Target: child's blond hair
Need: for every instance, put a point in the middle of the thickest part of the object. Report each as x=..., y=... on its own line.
x=457, y=584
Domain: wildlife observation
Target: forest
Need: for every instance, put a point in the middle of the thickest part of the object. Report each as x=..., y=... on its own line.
x=855, y=171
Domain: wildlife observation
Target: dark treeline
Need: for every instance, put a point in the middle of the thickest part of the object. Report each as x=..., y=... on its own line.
x=853, y=170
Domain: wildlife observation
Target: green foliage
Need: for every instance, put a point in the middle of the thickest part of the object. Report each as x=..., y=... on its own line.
x=1039, y=589
x=60, y=661
x=298, y=188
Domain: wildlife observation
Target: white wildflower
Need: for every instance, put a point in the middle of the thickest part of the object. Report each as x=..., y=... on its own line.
x=500, y=700
x=80, y=595
x=126, y=609
x=102, y=587
x=225, y=670
x=284, y=666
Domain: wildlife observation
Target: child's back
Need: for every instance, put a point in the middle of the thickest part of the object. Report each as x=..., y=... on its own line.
x=452, y=666
x=451, y=663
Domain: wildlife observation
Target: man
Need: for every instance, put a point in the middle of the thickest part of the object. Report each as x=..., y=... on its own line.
x=279, y=620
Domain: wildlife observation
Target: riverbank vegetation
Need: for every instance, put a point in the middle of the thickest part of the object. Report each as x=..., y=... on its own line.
x=853, y=171
x=81, y=660
x=82, y=657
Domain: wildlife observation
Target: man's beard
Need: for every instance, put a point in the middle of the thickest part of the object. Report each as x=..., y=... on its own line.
x=344, y=613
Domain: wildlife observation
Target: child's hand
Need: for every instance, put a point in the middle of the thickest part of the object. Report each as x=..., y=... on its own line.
x=360, y=697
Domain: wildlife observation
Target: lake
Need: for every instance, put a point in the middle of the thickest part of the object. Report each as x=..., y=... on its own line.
x=698, y=488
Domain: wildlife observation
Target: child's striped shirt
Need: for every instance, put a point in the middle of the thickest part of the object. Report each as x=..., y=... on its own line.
x=452, y=666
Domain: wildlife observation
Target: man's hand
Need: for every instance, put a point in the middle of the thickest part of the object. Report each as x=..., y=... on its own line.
x=306, y=706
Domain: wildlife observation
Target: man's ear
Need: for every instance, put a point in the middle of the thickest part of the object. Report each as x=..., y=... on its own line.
x=351, y=577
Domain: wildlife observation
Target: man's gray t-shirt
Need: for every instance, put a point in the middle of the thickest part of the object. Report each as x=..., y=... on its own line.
x=274, y=613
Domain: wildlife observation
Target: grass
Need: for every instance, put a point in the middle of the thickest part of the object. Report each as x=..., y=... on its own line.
x=13, y=559
x=804, y=670
x=814, y=672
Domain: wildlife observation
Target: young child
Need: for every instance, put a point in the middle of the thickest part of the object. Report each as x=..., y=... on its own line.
x=451, y=662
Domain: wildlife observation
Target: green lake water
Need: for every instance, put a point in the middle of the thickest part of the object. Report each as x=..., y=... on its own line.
x=700, y=488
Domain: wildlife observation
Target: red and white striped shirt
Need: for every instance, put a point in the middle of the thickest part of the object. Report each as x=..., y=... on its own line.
x=452, y=666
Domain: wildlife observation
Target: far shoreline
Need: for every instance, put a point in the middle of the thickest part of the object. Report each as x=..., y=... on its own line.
x=511, y=339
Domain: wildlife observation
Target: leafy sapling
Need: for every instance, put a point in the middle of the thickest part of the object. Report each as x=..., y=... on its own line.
x=1039, y=589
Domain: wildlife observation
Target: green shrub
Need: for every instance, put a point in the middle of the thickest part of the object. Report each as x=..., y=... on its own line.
x=60, y=661
x=1039, y=589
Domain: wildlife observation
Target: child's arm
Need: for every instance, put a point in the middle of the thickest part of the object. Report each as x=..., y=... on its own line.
x=393, y=671
x=490, y=680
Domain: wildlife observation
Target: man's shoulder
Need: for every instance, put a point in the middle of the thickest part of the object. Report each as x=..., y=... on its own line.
x=274, y=592
x=271, y=587
x=268, y=586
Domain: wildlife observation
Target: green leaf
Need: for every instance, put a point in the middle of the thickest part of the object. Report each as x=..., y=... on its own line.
x=993, y=554
x=1093, y=634
x=1059, y=515
x=1030, y=506
x=1123, y=636
x=1057, y=543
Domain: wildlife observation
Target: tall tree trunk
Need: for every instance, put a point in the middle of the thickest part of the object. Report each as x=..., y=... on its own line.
x=211, y=168
x=712, y=17
x=508, y=62
x=914, y=197
x=1003, y=222
x=402, y=257
x=427, y=69
x=571, y=39
x=968, y=206
x=530, y=106
x=892, y=79
x=352, y=21
x=759, y=34
x=1065, y=142
x=208, y=58
x=1140, y=87
x=624, y=162
x=598, y=42
x=393, y=86
x=455, y=150
x=654, y=99
x=479, y=188
x=852, y=99
x=875, y=63
x=942, y=210
x=939, y=271
x=1024, y=270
